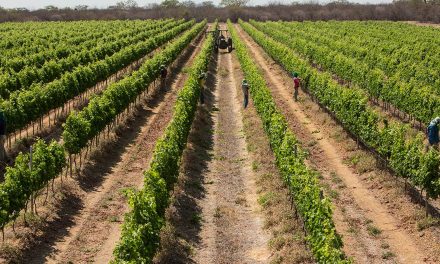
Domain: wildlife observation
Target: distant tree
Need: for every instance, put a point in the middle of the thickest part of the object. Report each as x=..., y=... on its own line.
x=275, y=3
x=207, y=4
x=152, y=5
x=119, y=5
x=170, y=3
x=51, y=8
x=339, y=2
x=131, y=4
x=188, y=3
x=21, y=9
x=234, y=3
x=81, y=7
x=127, y=4
x=418, y=2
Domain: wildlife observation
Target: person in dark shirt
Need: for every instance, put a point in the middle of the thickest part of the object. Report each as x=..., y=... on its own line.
x=163, y=76
x=432, y=132
x=245, y=89
x=2, y=136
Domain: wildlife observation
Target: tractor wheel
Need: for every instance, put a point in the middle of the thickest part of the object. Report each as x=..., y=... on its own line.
x=230, y=48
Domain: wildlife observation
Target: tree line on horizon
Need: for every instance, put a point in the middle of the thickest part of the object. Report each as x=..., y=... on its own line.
x=398, y=10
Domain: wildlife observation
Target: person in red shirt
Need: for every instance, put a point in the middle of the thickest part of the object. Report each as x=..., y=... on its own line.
x=296, y=85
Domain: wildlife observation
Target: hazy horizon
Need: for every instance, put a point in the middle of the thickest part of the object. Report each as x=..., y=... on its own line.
x=36, y=4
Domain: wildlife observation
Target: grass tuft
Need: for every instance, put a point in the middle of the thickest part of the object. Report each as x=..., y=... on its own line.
x=373, y=230
x=388, y=255
x=427, y=223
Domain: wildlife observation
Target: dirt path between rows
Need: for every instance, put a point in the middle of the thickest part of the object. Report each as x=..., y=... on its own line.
x=400, y=242
x=423, y=24
x=232, y=225
x=95, y=229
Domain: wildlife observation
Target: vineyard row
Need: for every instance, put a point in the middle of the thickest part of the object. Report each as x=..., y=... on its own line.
x=45, y=162
x=140, y=231
x=406, y=156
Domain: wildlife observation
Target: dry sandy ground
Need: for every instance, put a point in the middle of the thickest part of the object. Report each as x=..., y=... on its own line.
x=423, y=24
x=232, y=227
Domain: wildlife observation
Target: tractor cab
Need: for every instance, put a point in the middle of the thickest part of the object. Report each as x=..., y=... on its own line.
x=222, y=39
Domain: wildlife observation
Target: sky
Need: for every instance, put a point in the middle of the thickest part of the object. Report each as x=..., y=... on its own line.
x=35, y=4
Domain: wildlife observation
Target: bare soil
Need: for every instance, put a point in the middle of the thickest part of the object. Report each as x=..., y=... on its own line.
x=371, y=212
x=85, y=226
x=423, y=24
x=232, y=226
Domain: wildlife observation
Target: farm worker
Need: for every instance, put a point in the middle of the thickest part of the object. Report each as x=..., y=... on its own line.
x=163, y=74
x=2, y=136
x=432, y=132
x=245, y=89
x=385, y=123
x=296, y=84
x=201, y=79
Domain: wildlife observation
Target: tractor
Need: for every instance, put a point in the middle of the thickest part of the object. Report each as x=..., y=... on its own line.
x=222, y=39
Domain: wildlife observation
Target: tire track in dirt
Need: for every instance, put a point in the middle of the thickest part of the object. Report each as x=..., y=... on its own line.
x=232, y=227
x=399, y=240
x=96, y=227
